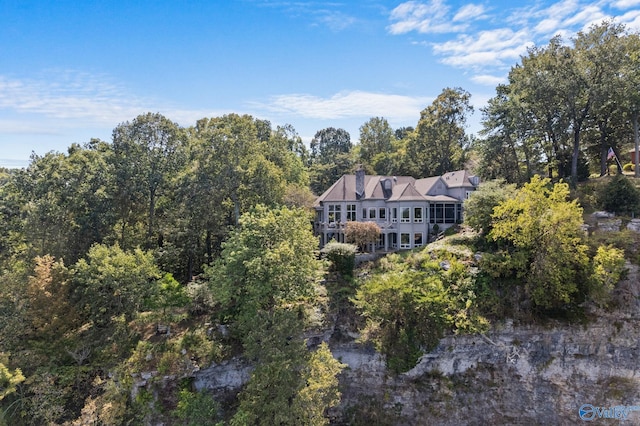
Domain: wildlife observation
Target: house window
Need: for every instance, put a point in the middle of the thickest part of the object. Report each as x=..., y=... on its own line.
x=449, y=213
x=405, y=240
x=417, y=214
x=436, y=213
x=405, y=215
x=394, y=215
x=442, y=213
x=382, y=213
x=372, y=213
x=394, y=240
x=417, y=239
x=334, y=213
x=468, y=194
x=459, y=217
x=351, y=212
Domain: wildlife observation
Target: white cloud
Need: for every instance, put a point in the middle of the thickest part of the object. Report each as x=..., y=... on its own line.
x=625, y=4
x=347, y=104
x=563, y=9
x=470, y=12
x=587, y=16
x=65, y=99
x=631, y=20
x=487, y=48
x=424, y=18
x=336, y=21
x=488, y=80
x=67, y=95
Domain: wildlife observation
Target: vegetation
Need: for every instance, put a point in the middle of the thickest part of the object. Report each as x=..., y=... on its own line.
x=620, y=196
x=362, y=234
x=411, y=303
x=170, y=248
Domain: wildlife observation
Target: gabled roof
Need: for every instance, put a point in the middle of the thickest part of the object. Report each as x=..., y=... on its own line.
x=426, y=185
x=402, y=188
x=457, y=179
x=406, y=191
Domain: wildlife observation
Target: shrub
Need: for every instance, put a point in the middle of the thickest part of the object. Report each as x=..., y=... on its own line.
x=608, y=269
x=362, y=233
x=619, y=196
x=342, y=257
x=629, y=167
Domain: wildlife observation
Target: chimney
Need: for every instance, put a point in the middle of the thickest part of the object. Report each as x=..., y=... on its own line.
x=359, y=182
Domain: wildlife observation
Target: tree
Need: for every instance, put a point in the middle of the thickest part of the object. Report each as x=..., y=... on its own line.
x=478, y=208
x=67, y=205
x=619, y=196
x=268, y=262
x=236, y=162
x=49, y=312
x=564, y=105
x=265, y=282
x=320, y=391
x=439, y=142
x=342, y=257
x=147, y=153
x=111, y=282
x=411, y=304
x=507, y=149
x=543, y=227
x=608, y=269
x=196, y=409
x=604, y=52
x=376, y=141
x=331, y=157
x=362, y=234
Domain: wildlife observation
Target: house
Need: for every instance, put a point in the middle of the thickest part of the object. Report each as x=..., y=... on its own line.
x=406, y=209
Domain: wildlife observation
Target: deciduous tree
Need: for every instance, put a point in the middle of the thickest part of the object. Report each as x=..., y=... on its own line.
x=544, y=227
x=439, y=142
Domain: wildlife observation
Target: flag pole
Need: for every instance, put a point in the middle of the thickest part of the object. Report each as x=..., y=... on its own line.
x=612, y=153
x=616, y=157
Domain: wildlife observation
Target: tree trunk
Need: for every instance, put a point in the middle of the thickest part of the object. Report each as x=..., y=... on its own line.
x=152, y=212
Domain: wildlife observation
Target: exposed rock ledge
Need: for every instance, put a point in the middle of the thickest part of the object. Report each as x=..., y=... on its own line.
x=514, y=375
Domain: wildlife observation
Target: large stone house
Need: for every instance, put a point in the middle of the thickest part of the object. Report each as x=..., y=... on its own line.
x=406, y=209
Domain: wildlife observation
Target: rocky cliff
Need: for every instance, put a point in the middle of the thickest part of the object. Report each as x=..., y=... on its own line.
x=528, y=375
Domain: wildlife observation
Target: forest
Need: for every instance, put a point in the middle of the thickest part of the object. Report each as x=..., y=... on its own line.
x=170, y=248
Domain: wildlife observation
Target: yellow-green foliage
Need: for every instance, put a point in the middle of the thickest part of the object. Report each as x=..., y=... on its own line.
x=9, y=380
x=411, y=301
x=541, y=225
x=608, y=269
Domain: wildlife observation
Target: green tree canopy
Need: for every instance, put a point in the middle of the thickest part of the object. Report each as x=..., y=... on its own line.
x=619, y=196
x=111, y=282
x=543, y=226
x=439, y=142
x=478, y=208
x=269, y=261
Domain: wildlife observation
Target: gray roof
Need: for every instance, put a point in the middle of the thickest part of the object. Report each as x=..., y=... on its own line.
x=404, y=188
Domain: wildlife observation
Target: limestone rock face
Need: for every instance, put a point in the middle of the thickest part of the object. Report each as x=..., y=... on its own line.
x=223, y=380
x=534, y=374
x=612, y=225
x=634, y=225
x=514, y=375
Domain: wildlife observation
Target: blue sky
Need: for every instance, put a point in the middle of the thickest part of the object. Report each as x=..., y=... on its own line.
x=73, y=70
